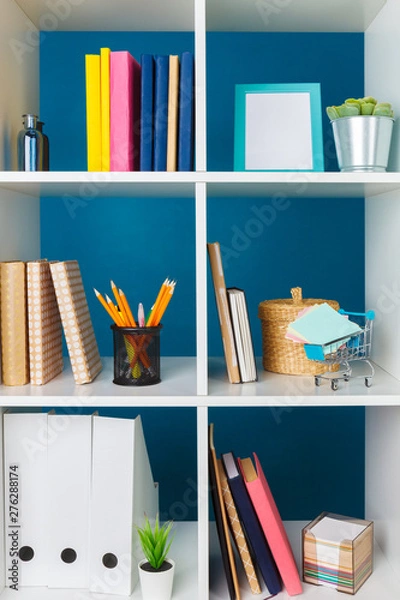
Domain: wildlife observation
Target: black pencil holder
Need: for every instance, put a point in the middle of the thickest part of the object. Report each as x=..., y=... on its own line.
x=136, y=355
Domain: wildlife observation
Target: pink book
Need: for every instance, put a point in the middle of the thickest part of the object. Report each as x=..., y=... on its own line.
x=124, y=112
x=271, y=523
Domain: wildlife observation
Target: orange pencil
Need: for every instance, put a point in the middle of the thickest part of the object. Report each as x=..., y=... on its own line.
x=104, y=304
x=117, y=317
x=163, y=288
x=124, y=301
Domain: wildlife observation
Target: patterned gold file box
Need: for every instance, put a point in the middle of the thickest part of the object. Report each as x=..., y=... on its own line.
x=75, y=318
x=14, y=331
x=338, y=552
x=45, y=336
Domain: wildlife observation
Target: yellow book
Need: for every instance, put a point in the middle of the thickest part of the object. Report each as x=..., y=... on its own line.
x=93, y=112
x=173, y=95
x=105, y=107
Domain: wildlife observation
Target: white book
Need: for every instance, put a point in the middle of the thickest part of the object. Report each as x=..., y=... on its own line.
x=123, y=491
x=242, y=334
x=25, y=498
x=69, y=472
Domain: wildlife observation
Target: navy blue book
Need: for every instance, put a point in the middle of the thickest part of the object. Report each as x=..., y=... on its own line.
x=186, y=113
x=147, y=112
x=254, y=534
x=161, y=112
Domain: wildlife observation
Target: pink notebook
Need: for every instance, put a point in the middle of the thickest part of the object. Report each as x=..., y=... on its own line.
x=271, y=523
x=124, y=112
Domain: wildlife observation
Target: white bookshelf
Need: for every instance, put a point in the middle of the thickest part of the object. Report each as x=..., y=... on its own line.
x=198, y=381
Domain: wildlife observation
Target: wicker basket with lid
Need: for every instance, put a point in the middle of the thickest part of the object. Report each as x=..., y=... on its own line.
x=279, y=354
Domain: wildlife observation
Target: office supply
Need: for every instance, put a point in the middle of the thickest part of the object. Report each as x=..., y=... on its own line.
x=68, y=500
x=161, y=112
x=105, y=107
x=255, y=537
x=44, y=324
x=93, y=112
x=76, y=322
x=141, y=315
x=124, y=112
x=147, y=113
x=237, y=531
x=338, y=552
x=271, y=523
x=242, y=334
x=345, y=351
x=173, y=99
x=323, y=325
x=221, y=521
x=14, y=327
x=119, y=455
x=228, y=341
x=25, y=476
x=136, y=355
x=186, y=113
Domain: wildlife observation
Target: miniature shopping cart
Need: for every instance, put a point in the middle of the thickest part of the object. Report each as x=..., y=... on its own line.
x=343, y=351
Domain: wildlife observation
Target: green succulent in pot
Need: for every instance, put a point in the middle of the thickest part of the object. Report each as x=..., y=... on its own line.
x=353, y=107
x=155, y=542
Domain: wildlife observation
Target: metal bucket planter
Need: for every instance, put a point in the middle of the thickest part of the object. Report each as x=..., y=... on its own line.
x=362, y=143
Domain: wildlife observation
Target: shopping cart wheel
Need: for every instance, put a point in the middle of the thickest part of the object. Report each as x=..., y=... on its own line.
x=317, y=380
x=334, y=384
x=368, y=382
x=346, y=378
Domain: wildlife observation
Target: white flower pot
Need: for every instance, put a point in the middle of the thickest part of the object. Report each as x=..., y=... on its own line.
x=156, y=585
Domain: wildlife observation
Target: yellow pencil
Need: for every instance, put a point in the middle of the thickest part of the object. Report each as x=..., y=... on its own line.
x=163, y=287
x=117, y=317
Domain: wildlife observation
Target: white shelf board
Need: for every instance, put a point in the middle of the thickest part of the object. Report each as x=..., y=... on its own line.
x=183, y=552
x=382, y=584
x=286, y=15
x=103, y=15
x=276, y=390
x=301, y=184
x=90, y=185
x=177, y=388
x=85, y=185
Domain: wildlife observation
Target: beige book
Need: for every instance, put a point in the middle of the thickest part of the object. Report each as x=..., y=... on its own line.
x=173, y=98
x=76, y=322
x=14, y=330
x=44, y=324
x=238, y=533
x=228, y=341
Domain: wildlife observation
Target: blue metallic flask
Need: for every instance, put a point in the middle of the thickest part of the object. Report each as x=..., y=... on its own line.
x=30, y=146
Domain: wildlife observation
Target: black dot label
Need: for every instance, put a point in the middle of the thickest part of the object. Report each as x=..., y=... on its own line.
x=68, y=555
x=26, y=553
x=110, y=561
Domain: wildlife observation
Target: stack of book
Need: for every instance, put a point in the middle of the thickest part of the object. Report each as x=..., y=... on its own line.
x=66, y=526
x=139, y=116
x=245, y=511
x=38, y=299
x=234, y=322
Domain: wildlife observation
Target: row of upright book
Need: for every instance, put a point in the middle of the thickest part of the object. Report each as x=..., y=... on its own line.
x=38, y=299
x=76, y=487
x=234, y=322
x=246, y=514
x=139, y=115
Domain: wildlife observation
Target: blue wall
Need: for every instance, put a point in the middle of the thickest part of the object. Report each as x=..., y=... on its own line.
x=315, y=243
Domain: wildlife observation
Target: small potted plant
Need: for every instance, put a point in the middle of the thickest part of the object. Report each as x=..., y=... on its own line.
x=362, y=129
x=156, y=570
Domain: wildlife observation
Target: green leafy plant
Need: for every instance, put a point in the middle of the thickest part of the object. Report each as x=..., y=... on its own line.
x=155, y=541
x=361, y=106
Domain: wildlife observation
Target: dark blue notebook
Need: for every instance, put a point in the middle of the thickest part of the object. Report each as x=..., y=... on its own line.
x=186, y=113
x=147, y=113
x=254, y=534
x=161, y=112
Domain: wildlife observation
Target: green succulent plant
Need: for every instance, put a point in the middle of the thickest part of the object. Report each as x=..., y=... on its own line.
x=360, y=106
x=155, y=541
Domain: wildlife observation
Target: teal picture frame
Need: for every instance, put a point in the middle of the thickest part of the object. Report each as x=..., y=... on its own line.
x=278, y=127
